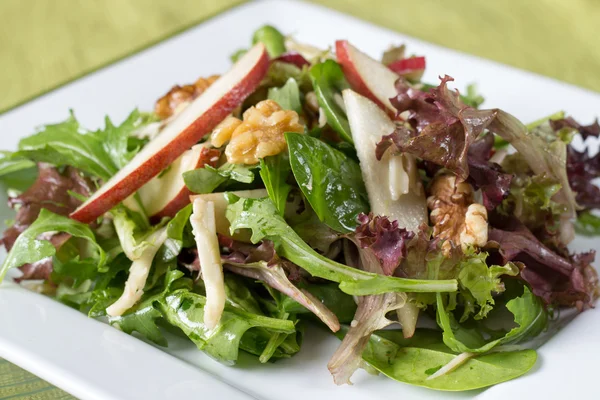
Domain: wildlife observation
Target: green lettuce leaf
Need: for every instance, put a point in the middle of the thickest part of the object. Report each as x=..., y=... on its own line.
x=529, y=315
x=29, y=249
x=483, y=281
x=331, y=181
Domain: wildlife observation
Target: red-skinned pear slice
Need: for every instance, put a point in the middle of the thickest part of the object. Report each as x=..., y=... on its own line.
x=196, y=121
x=367, y=76
x=166, y=194
x=393, y=184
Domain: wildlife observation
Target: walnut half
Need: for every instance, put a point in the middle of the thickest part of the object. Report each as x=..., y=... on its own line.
x=454, y=214
x=261, y=133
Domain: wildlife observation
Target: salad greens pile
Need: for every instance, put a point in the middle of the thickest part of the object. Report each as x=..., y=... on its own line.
x=299, y=237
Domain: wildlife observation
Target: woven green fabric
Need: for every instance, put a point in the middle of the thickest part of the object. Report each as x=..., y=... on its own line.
x=44, y=44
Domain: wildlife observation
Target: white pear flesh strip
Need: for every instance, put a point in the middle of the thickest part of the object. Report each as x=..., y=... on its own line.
x=220, y=204
x=138, y=274
x=205, y=233
x=389, y=193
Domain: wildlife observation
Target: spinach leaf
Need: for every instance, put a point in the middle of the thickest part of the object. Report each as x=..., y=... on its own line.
x=328, y=81
x=29, y=249
x=528, y=312
x=414, y=360
x=331, y=182
x=207, y=179
x=287, y=96
x=587, y=224
x=274, y=171
x=271, y=38
x=261, y=217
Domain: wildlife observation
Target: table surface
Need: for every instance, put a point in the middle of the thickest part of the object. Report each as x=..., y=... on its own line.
x=44, y=45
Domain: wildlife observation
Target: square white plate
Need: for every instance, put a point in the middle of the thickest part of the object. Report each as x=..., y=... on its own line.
x=94, y=361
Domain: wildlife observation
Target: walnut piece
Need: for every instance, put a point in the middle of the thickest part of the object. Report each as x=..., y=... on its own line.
x=179, y=96
x=261, y=133
x=222, y=133
x=454, y=214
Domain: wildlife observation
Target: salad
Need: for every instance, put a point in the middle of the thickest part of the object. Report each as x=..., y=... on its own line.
x=315, y=186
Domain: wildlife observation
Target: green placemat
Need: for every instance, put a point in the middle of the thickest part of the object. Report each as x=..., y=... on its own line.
x=44, y=44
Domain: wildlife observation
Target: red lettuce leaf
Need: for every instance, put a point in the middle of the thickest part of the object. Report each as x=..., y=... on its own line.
x=565, y=281
x=581, y=170
x=486, y=175
x=384, y=239
x=445, y=127
x=293, y=57
x=585, y=130
x=51, y=191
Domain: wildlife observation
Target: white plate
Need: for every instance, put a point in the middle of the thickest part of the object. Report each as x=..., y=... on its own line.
x=94, y=361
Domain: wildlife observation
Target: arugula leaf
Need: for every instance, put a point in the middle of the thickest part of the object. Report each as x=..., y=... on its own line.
x=330, y=180
x=185, y=310
x=116, y=138
x=587, y=224
x=240, y=296
x=142, y=319
x=287, y=96
x=207, y=179
x=10, y=164
x=414, y=360
x=29, y=249
x=260, y=215
x=65, y=144
x=274, y=171
x=100, y=153
x=529, y=315
x=328, y=81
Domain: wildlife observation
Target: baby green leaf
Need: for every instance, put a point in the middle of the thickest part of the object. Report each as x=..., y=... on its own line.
x=328, y=81
x=274, y=171
x=287, y=96
x=412, y=362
